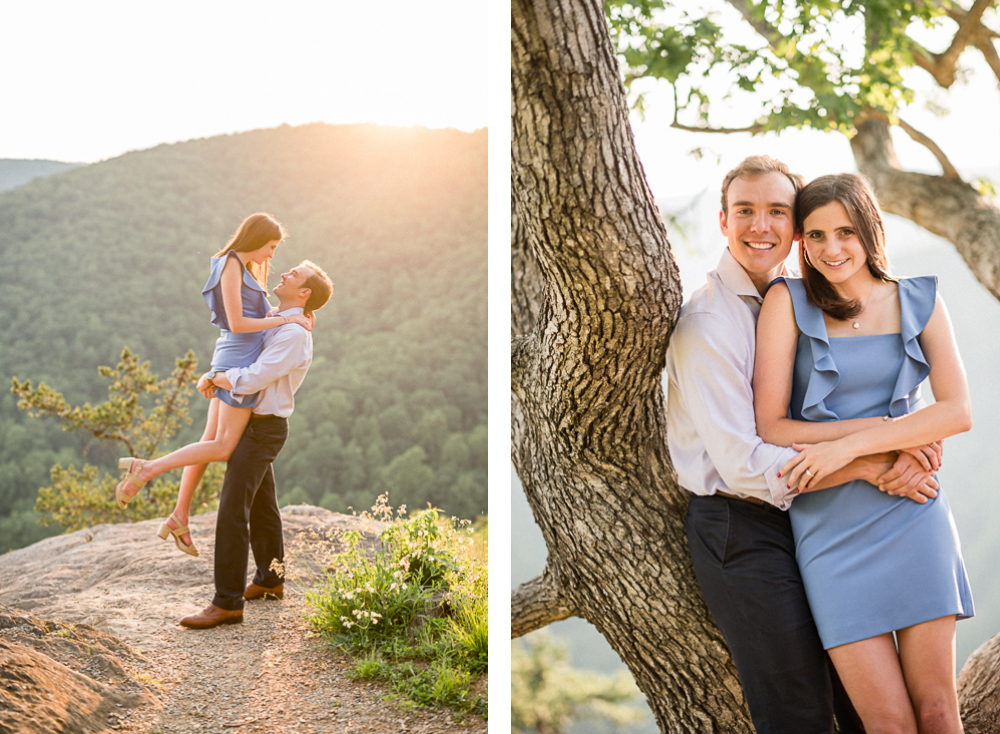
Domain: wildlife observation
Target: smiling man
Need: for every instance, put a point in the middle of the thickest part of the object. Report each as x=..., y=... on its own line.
x=738, y=531
x=248, y=506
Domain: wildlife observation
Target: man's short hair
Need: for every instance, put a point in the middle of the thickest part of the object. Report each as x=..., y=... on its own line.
x=320, y=285
x=758, y=165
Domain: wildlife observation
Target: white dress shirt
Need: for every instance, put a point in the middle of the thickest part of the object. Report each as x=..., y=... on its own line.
x=278, y=371
x=711, y=428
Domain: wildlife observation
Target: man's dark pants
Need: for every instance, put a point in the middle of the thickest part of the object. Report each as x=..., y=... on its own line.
x=744, y=558
x=248, y=513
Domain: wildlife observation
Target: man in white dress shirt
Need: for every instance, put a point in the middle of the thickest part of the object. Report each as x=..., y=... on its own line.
x=738, y=531
x=248, y=507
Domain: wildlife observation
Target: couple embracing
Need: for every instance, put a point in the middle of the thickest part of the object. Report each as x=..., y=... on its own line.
x=821, y=540
x=260, y=360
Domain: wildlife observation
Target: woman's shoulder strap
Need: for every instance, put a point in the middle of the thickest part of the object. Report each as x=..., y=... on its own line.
x=808, y=317
x=823, y=377
x=917, y=297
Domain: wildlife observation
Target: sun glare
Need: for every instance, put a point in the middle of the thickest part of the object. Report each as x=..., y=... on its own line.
x=96, y=81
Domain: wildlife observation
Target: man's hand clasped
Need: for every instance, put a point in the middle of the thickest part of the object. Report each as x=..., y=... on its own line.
x=205, y=385
x=907, y=473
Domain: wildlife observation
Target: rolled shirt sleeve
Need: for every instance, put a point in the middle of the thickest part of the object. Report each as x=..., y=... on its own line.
x=285, y=351
x=711, y=425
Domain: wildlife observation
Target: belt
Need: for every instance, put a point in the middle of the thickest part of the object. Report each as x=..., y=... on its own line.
x=259, y=417
x=751, y=500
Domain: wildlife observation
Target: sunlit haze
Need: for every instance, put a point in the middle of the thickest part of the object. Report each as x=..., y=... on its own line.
x=88, y=81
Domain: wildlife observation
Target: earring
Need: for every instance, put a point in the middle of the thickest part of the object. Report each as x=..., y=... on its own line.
x=805, y=256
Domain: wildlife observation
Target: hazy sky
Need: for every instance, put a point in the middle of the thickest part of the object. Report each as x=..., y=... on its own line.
x=84, y=81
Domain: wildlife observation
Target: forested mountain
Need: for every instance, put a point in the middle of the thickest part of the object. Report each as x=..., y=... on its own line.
x=115, y=254
x=14, y=172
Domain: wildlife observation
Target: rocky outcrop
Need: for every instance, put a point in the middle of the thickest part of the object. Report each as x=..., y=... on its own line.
x=117, y=591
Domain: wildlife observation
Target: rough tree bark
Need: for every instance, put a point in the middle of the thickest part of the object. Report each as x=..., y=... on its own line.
x=979, y=689
x=589, y=437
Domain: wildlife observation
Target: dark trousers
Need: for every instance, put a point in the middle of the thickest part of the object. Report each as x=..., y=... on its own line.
x=248, y=513
x=744, y=558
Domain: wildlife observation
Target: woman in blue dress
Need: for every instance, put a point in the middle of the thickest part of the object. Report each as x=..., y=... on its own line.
x=841, y=353
x=236, y=292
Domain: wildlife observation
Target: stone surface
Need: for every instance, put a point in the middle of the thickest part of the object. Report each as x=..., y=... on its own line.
x=89, y=642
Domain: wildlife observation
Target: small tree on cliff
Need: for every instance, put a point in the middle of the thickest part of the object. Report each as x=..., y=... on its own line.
x=595, y=297
x=80, y=498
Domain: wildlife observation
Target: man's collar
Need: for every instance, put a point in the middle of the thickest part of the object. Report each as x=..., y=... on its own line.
x=735, y=278
x=291, y=310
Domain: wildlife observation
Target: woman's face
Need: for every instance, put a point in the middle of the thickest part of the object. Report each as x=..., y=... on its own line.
x=262, y=254
x=832, y=244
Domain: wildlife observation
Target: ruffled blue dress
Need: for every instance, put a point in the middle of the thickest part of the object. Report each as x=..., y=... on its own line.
x=871, y=563
x=235, y=350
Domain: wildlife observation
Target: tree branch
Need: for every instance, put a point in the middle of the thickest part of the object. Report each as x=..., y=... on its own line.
x=680, y=126
x=985, y=44
x=966, y=28
x=949, y=170
x=765, y=29
x=946, y=206
x=537, y=603
x=753, y=129
x=943, y=66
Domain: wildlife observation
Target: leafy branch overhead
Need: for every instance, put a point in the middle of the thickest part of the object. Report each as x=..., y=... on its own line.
x=84, y=497
x=813, y=63
x=831, y=65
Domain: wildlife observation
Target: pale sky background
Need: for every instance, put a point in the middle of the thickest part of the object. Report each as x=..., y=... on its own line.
x=85, y=81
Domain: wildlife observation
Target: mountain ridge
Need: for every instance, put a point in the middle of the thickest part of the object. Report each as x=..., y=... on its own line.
x=115, y=253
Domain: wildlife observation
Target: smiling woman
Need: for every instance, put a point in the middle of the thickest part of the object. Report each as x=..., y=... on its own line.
x=221, y=67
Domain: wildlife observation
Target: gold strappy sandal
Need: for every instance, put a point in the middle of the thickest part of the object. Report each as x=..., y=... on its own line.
x=132, y=467
x=166, y=530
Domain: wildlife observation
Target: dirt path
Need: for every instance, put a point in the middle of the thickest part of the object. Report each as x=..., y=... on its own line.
x=269, y=674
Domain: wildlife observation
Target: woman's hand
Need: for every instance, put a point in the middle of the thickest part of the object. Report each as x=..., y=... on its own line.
x=813, y=462
x=303, y=321
x=928, y=455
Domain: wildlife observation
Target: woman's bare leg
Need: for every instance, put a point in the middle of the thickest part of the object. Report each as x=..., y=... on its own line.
x=191, y=476
x=873, y=676
x=230, y=424
x=927, y=654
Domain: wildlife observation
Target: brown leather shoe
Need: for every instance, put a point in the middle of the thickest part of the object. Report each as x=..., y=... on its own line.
x=212, y=616
x=260, y=592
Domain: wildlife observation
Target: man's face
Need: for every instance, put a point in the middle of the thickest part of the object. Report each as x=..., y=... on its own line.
x=293, y=281
x=760, y=226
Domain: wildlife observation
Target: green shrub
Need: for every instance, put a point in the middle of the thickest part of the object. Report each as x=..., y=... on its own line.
x=412, y=607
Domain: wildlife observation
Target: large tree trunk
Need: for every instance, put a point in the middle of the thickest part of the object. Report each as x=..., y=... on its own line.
x=944, y=205
x=979, y=689
x=589, y=438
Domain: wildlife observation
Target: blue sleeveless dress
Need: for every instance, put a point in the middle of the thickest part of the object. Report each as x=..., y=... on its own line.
x=871, y=563
x=235, y=350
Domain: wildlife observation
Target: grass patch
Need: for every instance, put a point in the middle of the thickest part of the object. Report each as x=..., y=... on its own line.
x=413, y=612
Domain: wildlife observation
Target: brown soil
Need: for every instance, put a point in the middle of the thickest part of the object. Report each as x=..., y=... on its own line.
x=118, y=661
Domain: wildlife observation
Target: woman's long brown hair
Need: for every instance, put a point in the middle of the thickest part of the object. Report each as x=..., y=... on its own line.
x=857, y=197
x=255, y=232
